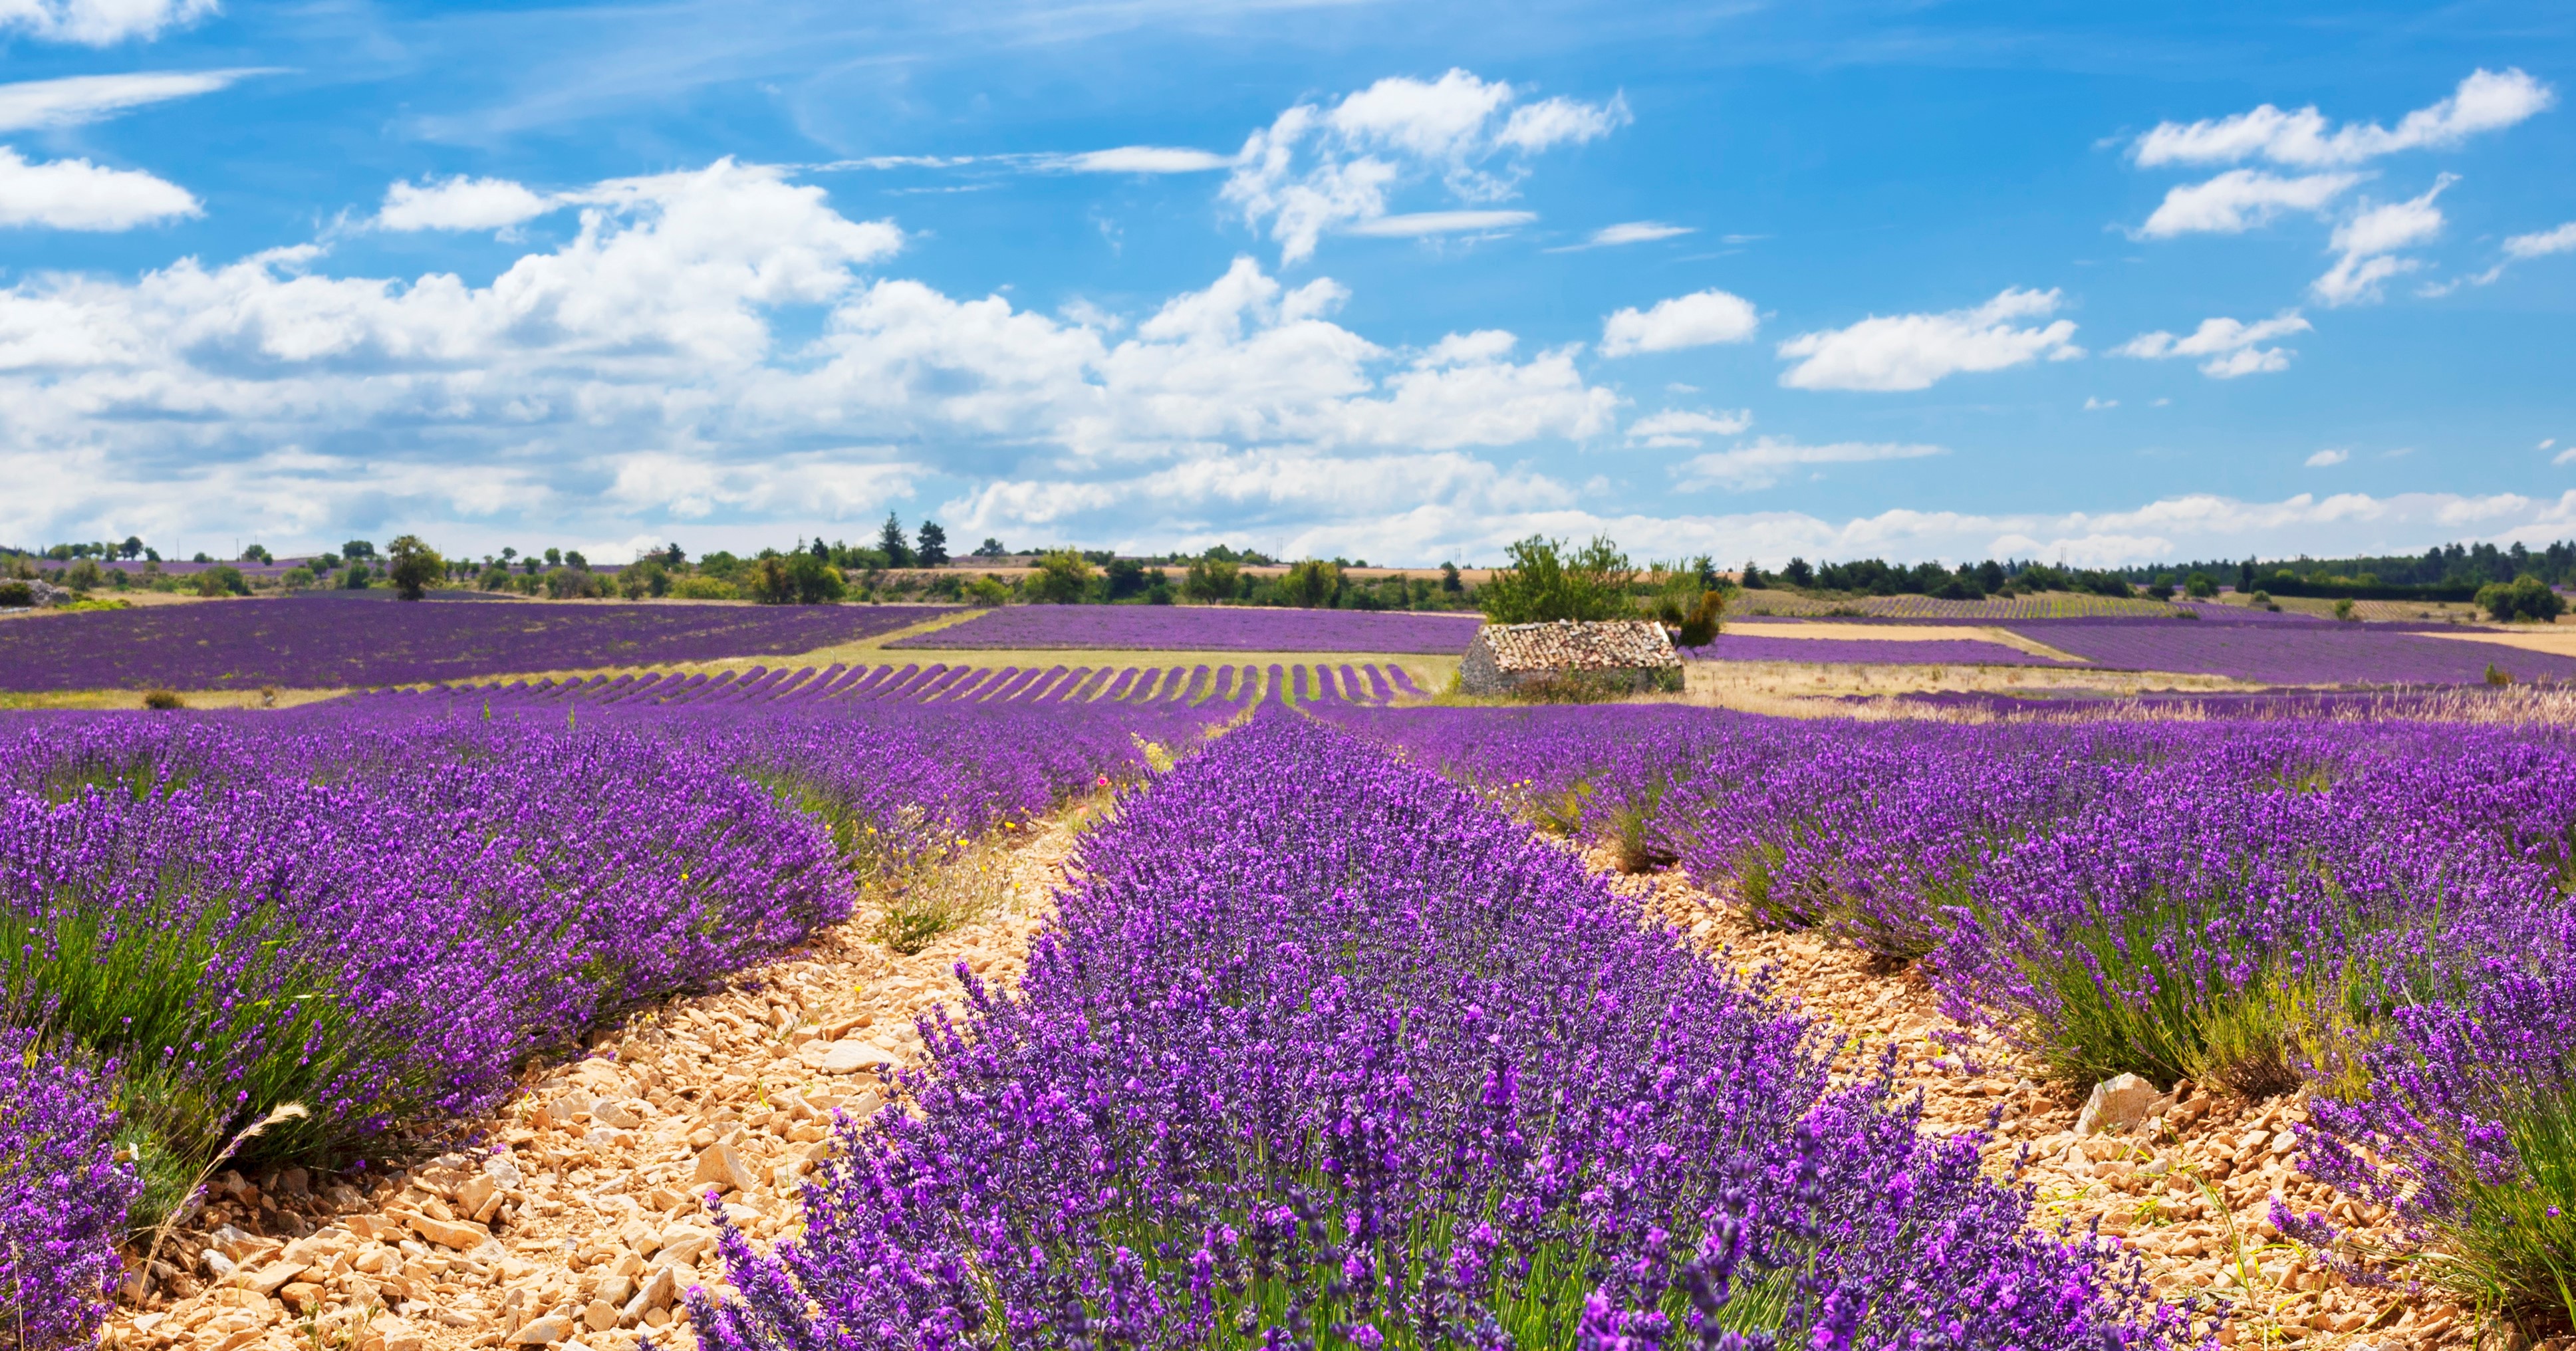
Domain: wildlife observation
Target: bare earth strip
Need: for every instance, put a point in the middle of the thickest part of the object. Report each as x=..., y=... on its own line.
x=2556, y=644
x=576, y=1221
x=1905, y=633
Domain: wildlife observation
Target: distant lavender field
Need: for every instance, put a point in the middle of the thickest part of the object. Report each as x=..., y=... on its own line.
x=2323, y=653
x=1172, y=628
x=1856, y=651
x=330, y=639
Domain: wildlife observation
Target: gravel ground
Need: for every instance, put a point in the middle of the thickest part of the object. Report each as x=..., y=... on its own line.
x=573, y=1221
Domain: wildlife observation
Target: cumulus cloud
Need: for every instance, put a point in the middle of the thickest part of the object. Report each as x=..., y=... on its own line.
x=2485, y=101
x=1911, y=351
x=2232, y=348
x=637, y=376
x=460, y=203
x=1695, y=320
x=74, y=194
x=99, y=23
x=1315, y=169
x=1766, y=461
x=2328, y=459
x=2239, y=200
x=36, y=105
x=2369, y=242
x=1680, y=428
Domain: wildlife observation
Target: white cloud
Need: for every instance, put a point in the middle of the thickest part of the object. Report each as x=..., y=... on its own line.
x=1911, y=351
x=2567, y=456
x=1315, y=170
x=2546, y=442
x=35, y=105
x=1441, y=223
x=1562, y=121
x=74, y=194
x=637, y=377
x=2328, y=459
x=2369, y=241
x=2092, y=404
x=2485, y=101
x=2239, y=200
x=98, y=23
x=1142, y=159
x=1766, y=461
x=1682, y=428
x=1635, y=232
x=2541, y=244
x=460, y=203
x=1695, y=320
x=2232, y=348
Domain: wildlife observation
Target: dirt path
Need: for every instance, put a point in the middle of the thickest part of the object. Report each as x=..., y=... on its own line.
x=2189, y=1191
x=577, y=1220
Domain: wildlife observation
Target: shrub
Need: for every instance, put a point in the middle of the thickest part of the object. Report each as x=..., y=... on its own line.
x=1063, y=578
x=2200, y=586
x=222, y=580
x=2526, y=597
x=297, y=579
x=163, y=699
x=1544, y=582
x=1210, y=580
x=63, y=1196
x=702, y=588
x=355, y=577
x=2344, y=610
x=16, y=593
x=989, y=590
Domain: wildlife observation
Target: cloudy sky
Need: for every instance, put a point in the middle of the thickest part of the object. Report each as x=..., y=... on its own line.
x=1391, y=280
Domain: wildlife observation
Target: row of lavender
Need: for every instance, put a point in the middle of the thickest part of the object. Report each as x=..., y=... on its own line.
x=378, y=910
x=2377, y=911
x=1323, y=1052
x=939, y=683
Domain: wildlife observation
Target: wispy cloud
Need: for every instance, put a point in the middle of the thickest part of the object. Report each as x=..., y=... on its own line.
x=36, y=105
x=2328, y=459
x=1441, y=223
x=1682, y=428
x=1766, y=461
x=100, y=23
x=2370, y=241
x=1695, y=320
x=1630, y=232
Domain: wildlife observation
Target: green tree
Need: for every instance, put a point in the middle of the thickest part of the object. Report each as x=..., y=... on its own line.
x=357, y=548
x=1312, y=583
x=1126, y=577
x=1063, y=578
x=413, y=565
x=1450, y=582
x=1211, y=580
x=932, y=548
x=991, y=548
x=2525, y=597
x=988, y=590
x=257, y=553
x=891, y=543
x=131, y=548
x=2200, y=586
x=1545, y=582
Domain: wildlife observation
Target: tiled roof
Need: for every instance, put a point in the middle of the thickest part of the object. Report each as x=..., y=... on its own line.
x=1566, y=645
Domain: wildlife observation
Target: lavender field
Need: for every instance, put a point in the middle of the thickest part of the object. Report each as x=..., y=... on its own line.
x=1314, y=998
x=1203, y=629
x=328, y=640
x=1855, y=651
x=2307, y=652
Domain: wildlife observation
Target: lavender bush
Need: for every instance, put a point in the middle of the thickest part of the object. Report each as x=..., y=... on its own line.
x=1322, y=1052
x=63, y=1197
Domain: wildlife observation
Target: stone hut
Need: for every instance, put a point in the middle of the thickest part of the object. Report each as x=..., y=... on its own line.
x=1629, y=655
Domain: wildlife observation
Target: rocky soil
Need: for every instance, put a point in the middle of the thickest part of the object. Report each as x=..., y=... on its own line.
x=573, y=1221
x=2187, y=1183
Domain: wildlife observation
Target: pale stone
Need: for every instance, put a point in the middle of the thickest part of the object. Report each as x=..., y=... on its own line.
x=609, y=1112
x=542, y=1331
x=601, y=1315
x=850, y=1057
x=720, y=1166
x=449, y=1233
x=2116, y=1105
x=269, y=1279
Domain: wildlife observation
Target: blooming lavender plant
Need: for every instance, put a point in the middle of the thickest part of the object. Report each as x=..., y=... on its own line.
x=62, y=1197
x=1322, y=1052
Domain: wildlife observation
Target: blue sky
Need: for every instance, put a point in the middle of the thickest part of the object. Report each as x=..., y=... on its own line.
x=1392, y=281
